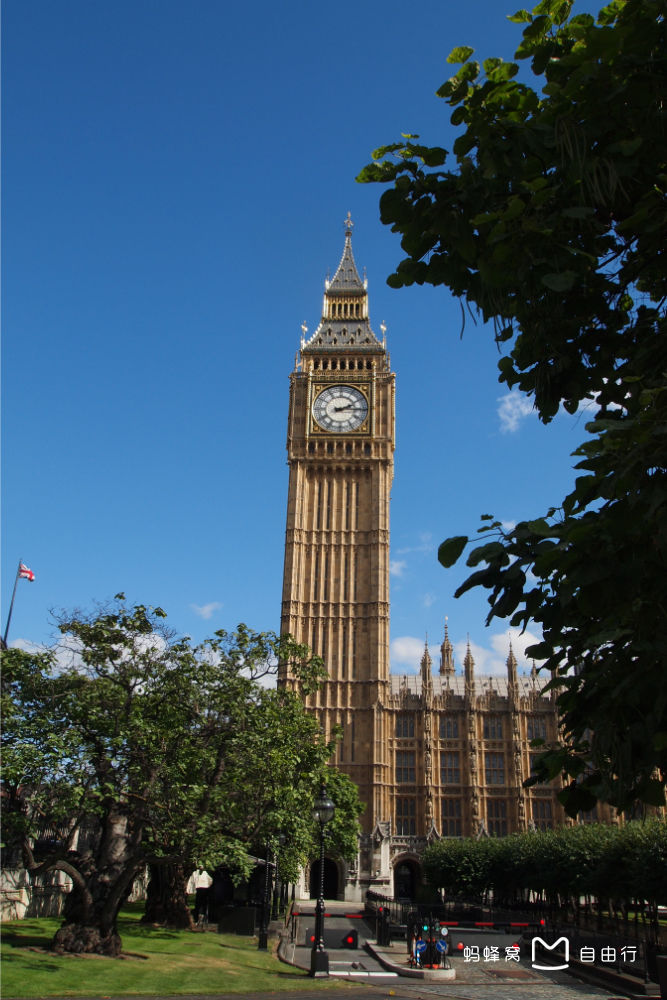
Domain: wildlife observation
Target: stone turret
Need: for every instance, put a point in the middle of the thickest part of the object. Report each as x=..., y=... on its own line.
x=427, y=677
x=512, y=678
x=469, y=669
x=446, y=656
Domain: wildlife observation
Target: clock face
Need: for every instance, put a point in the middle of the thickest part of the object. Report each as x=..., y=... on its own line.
x=340, y=408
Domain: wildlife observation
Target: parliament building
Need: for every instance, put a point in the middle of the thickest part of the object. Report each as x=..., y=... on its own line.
x=443, y=753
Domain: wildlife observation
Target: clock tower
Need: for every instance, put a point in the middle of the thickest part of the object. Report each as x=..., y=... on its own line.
x=340, y=447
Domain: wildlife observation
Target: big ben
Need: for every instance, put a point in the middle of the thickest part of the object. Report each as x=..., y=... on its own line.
x=438, y=753
x=340, y=446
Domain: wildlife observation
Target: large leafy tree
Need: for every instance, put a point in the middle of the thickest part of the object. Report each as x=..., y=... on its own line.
x=149, y=751
x=549, y=219
x=626, y=864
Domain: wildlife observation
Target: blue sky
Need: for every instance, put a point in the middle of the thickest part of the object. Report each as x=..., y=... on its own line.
x=175, y=180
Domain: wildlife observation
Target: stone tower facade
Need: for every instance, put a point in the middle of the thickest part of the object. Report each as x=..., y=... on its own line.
x=340, y=446
x=434, y=754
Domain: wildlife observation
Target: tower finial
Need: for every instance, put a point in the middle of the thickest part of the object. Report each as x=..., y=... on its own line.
x=349, y=224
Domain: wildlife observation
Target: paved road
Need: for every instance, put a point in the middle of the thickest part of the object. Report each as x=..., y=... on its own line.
x=473, y=982
x=557, y=986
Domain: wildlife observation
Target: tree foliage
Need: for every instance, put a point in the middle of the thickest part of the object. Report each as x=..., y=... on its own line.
x=559, y=867
x=147, y=750
x=550, y=223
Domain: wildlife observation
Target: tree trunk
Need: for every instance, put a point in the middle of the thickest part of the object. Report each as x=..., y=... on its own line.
x=102, y=882
x=84, y=938
x=166, y=898
x=86, y=929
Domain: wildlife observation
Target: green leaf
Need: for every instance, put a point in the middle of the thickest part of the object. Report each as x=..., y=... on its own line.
x=450, y=550
x=560, y=282
x=485, y=553
x=521, y=17
x=460, y=54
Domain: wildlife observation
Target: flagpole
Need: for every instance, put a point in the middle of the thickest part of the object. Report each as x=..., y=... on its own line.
x=11, y=606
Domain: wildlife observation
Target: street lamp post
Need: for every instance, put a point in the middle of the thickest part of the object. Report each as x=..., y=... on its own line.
x=263, y=940
x=323, y=810
x=276, y=899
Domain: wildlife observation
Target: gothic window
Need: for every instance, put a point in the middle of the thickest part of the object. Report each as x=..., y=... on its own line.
x=450, y=768
x=496, y=817
x=493, y=727
x=533, y=759
x=542, y=815
x=536, y=728
x=405, y=725
x=495, y=768
x=451, y=817
x=406, y=824
x=405, y=767
x=449, y=728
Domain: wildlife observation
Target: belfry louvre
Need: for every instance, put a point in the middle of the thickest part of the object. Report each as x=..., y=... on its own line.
x=438, y=754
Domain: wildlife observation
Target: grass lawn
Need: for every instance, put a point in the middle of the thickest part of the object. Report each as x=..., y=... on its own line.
x=154, y=961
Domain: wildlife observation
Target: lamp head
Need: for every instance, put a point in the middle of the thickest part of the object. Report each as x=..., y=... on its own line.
x=323, y=807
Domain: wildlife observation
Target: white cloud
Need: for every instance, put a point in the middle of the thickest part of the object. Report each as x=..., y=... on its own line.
x=396, y=567
x=494, y=660
x=512, y=409
x=67, y=651
x=206, y=611
x=425, y=544
x=407, y=650
x=405, y=653
x=486, y=660
x=428, y=600
x=27, y=646
x=520, y=641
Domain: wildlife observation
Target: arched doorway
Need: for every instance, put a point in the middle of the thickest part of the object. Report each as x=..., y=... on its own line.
x=406, y=879
x=330, y=879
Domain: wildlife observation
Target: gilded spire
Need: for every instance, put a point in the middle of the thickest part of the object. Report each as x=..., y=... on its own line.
x=345, y=324
x=346, y=280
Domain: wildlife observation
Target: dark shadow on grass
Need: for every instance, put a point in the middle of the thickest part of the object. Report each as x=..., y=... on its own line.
x=43, y=966
x=128, y=928
x=27, y=940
